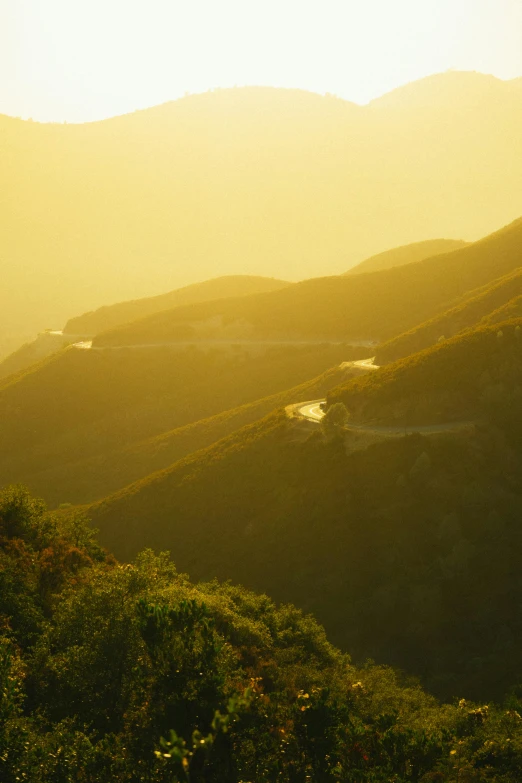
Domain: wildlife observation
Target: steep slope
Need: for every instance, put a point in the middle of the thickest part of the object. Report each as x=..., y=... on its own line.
x=373, y=306
x=84, y=478
x=473, y=308
x=471, y=376
x=399, y=530
x=78, y=424
x=249, y=180
x=124, y=312
x=407, y=254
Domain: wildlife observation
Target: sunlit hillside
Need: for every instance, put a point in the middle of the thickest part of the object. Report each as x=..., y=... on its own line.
x=263, y=181
x=469, y=377
x=496, y=301
x=407, y=254
x=370, y=307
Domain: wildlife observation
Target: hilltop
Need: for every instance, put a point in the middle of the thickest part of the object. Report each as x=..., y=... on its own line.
x=407, y=254
x=248, y=180
x=109, y=316
x=372, y=307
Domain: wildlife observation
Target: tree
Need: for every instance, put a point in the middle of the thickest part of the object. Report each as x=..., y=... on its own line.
x=334, y=420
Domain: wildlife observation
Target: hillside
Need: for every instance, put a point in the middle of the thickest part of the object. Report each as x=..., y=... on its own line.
x=407, y=254
x=246, y=181
x=398, y=530
x=496, y=300
x=144, y=674
x=124, y=312
x=83, y=423
x=89, y=324
x=473, y=375
x=44, y=345
x=372, y=307
x=92, y=474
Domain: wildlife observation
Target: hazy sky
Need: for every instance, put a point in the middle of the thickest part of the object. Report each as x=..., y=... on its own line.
x=80, y=60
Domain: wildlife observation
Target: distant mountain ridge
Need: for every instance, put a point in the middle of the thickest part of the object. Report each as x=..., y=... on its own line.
x=109, y=316
x=407, y=254
x=373, y=307
x=256, y=181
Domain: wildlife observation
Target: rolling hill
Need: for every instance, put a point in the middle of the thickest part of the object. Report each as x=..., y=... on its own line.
x=372, y=307
x=495, y=301
x=89, y=324
x=83, y=423
x=407, y=254
x=249, y=180
x=124, y=312
x=473, y=375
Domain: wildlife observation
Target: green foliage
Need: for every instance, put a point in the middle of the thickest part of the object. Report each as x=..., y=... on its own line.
x=334, y=420
x=137, y=675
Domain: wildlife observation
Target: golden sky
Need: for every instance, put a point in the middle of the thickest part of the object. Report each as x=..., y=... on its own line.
x=80, y=60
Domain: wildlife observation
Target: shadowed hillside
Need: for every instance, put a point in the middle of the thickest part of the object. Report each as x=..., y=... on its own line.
x=399, y=530
x=83, y=423
x=250, y=180
x=407, y=254
x=375, y=306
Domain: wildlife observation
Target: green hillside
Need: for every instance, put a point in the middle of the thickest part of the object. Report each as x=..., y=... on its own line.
x=398, y=530
x=407, y=254
x=473, y=308
x=374, y=306
x=472, y=375
x=79, y=424
x=124, y=312
x=112, y=672
x=253, y=180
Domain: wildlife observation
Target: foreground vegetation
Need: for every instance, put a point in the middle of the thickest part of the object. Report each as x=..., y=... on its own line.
x=114, y=672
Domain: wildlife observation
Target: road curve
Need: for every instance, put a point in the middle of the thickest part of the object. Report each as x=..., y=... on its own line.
x=312, y=411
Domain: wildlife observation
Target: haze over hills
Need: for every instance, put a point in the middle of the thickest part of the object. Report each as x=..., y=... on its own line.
x=110, y=316
x=370, y=307
x=89, y=324
x=407, y=254
x=251, y=181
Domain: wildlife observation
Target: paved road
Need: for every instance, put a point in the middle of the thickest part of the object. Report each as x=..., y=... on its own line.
x=312, y=411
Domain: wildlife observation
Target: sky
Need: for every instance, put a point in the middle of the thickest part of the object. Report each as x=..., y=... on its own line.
x=82, y=60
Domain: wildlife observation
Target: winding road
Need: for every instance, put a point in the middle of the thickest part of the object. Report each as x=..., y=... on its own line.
x=313, y=411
